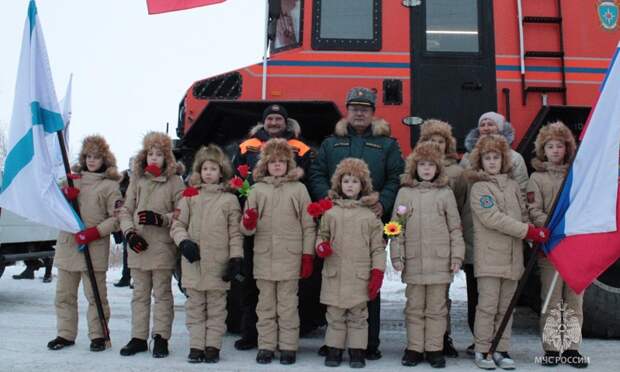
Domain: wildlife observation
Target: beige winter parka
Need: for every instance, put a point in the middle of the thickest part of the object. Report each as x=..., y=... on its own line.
x=99, y=192
x=356, y=237
x=211, y=219
x=284, y=229
x=542, y=189
x=500, y=224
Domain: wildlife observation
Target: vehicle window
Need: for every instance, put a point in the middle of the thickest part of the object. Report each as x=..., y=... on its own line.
x=452, y=26
x=347, y=24
x=289, y=25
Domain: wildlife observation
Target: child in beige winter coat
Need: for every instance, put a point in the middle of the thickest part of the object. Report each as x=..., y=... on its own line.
x=154, y=190
x=351, y=242
x=97, y=193
x=207, y=231
x=500, y=224
x=555, y=148
x=284, y=235
x=430, y=249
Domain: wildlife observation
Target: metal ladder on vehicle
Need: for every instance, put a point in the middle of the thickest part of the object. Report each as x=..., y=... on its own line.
x=555, y=21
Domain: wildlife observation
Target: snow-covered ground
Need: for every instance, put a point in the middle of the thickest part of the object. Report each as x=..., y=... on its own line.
x=27, y=323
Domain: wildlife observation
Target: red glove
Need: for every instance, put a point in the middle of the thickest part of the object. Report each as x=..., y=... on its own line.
x=87, y=236
x=538, y=234
x=306, y=266
x=374, y=284
x=250, y=217
x=153, y=169
x=71, y=193
x=324, y=249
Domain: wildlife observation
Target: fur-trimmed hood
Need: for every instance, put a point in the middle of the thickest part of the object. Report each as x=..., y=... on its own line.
x=163, y=142
x=473, y=176
x=293, y=175
x=293, y=129
x=491, y=143
x=275, y=148
x=473, y=136
x=555, y=131
x=365, y=201
x=546, y=166
x=215, y=154
x=379, y=127
x=96, y=144
x=437, y=127
x=354, y=167
x=424, y=151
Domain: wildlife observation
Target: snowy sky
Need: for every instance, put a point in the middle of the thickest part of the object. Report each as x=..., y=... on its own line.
x=130, y=69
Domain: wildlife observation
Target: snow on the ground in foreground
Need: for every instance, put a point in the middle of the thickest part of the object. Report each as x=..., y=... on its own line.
x=27, y=323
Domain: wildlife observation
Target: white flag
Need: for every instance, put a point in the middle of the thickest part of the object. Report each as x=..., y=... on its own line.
x=29, y=187
x=52, y=140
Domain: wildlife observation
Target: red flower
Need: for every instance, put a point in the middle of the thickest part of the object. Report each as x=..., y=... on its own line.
x=190, y=191
x=315, y=210
x=74, y=176
x=236, y=182
x=243, y=170
x=326, y=204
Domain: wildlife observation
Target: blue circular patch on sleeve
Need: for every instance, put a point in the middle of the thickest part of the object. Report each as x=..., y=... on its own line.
x=486, y=201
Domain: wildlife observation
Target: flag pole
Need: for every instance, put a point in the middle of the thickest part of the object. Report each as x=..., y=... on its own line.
x=527, y=272
x=87, y=258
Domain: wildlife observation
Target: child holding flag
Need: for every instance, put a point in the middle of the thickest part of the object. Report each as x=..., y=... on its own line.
x=284, y=235
x=555, y=148
x=499, y=215
x=154, y=190
x=430, y=250
x=96, y=190
x=352, y=245
x=207, y=231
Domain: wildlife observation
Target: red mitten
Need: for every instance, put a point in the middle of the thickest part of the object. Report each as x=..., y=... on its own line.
x=87, y=236
x=250, y=217
x=306, y=266
x=153, y=169
x=324, y=249
x=538, y=234
x=374, y=284
x=190, y=191
x=71, y=193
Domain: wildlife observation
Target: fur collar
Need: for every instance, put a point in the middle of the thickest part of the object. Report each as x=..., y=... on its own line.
x=545, y=166
x=379, y=127
x=365, y=201
x=474, y=135
x=293, y=130
x=293, y=175
x=473, y=176
x=111, y=173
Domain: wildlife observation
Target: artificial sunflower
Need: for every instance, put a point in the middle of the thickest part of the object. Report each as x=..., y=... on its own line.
x=392, y=229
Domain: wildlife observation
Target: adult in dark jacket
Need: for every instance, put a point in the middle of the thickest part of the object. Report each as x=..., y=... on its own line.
x=244, y=296
x=362, y=135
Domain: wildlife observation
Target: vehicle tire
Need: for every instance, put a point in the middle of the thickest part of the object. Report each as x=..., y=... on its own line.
x=601, y=303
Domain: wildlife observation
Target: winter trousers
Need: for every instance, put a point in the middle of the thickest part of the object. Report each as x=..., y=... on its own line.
x=278, y=317
x=205, y=318
x=426, y=314
x=493, y=301
x=159, y=283
x=347, y=326
x=374, y=322
x=67, y=305
x=561, y=292
x=472, y=295
x=248, y=293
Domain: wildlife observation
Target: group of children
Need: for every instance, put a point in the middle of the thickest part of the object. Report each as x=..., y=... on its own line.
x=160, y=216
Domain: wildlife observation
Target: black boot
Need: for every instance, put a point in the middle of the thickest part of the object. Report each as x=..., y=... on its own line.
x=47, y=278
x=333, y=356
x=412, y=358
x=551, y=359
x=264, y=356
x=28, y=273
x=245, y=344
x=97, y=344
x=48, y=262
x=373, y=353
x=134, y=346
x=574, y=359
x=212, y=354
x=123, y=282
x=287, y=357
x=160, y=347
x=448, y=347
x=436, y=359
x=196, y=356
x=357, y=358
x=59, y=343
x=322, y=350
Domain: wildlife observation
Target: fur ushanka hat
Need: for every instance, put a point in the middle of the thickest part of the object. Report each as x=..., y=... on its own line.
x=555, y=131
x=215, y=154
x=353, y=167
x=274, y=149
x=163, y=142
x=437, y=127
x=491, y=143
x=97, y=145
x=423, y=151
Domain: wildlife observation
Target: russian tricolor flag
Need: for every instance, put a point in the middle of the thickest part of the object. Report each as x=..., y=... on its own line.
x=585, y=239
